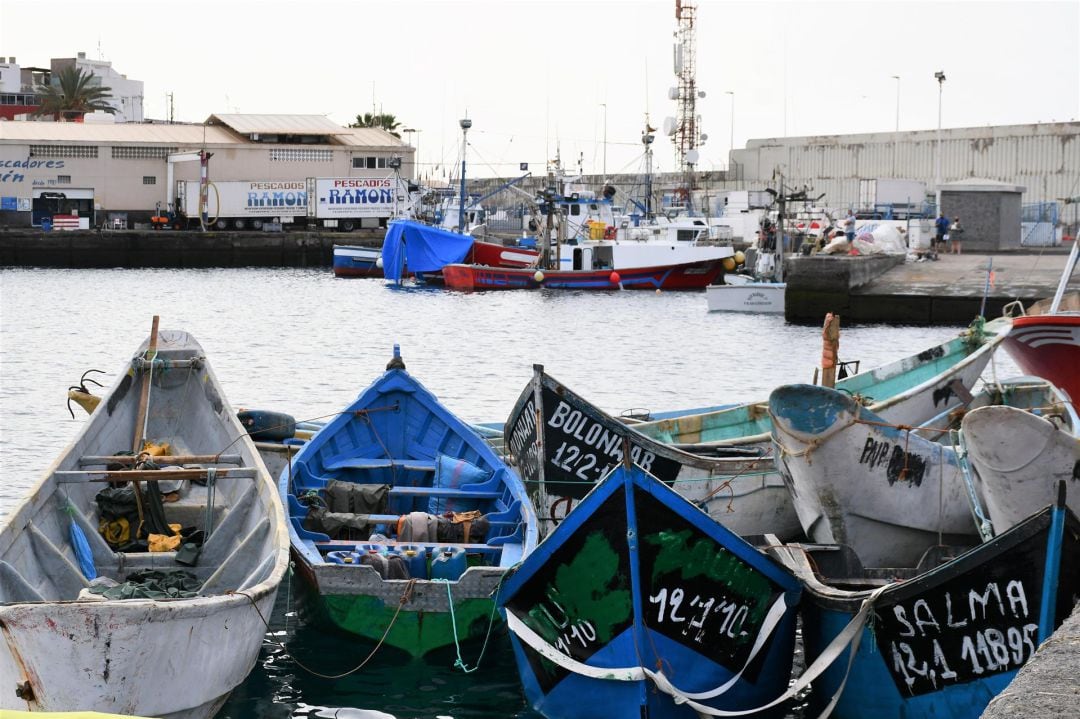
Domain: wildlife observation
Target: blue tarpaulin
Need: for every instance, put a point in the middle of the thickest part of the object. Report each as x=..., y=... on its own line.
x=416, y=247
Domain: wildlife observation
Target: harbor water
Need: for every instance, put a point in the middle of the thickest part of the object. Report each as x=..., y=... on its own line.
x=303, y=342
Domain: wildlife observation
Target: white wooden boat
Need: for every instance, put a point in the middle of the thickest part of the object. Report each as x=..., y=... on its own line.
x=65, y=648
x=1019, y=453
x=855, y=479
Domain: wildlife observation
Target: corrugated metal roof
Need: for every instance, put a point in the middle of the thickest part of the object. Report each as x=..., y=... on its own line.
x=280, y=124
x=180, y=135
x=369, y=137
x=188, y=135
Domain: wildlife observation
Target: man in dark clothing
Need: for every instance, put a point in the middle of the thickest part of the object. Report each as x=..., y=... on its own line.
x=941, y=225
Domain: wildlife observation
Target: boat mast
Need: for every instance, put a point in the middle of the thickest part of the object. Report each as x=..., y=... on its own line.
x=465, y=125
x=779, y=272
x=646, y=139
x=1070, y=265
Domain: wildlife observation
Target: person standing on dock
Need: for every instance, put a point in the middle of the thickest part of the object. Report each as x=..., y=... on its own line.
x=941, y=225
x=849, y=225
x=956, y=233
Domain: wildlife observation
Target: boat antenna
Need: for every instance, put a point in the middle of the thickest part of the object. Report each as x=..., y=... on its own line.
x=465, y=123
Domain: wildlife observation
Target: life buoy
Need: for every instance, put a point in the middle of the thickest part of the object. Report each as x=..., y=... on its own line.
x=609, y=232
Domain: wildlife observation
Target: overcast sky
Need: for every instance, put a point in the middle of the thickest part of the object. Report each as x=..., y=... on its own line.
x=534, y=75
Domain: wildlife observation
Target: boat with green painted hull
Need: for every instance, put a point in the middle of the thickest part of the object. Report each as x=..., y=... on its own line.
x=404, y=521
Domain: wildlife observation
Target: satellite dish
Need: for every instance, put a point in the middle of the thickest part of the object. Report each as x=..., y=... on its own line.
x=701, y=93
x=673, y=93
x=704, y=137
x=692, y=157
x=670, y=126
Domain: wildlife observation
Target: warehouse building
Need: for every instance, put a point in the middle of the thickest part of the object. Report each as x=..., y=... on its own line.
x=1042, y=158
x=120, y=172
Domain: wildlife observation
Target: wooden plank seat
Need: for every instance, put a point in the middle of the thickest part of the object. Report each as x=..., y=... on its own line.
x=448, y=492
x=418, y=465
x=335, y=545
x=149, y=475
x=105, y=460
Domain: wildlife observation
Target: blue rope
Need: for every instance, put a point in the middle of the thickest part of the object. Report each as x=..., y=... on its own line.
x=459, y=663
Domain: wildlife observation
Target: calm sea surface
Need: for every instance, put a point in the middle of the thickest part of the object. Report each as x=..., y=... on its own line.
x=306, y=343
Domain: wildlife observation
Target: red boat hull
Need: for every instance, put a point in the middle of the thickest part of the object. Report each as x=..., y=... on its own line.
x=1048, y=346
x=487, y=253
x=689, y=276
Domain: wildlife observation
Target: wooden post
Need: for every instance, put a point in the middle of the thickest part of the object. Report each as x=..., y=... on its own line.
x=140, y=419
x=830, y=348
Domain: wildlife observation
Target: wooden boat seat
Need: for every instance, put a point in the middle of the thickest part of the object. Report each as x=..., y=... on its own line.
x=447, y=492
x=334, y=545
x=418, y=465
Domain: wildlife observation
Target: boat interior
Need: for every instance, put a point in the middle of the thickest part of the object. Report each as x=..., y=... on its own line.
x=398, y=469
x=222, y=499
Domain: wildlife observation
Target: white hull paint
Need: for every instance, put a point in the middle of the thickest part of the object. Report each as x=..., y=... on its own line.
x=759, y=297
x=887, y=495
x=1019, y=458
x=166, y=658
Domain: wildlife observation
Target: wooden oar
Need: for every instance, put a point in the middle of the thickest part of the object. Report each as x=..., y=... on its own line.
x=140, y=419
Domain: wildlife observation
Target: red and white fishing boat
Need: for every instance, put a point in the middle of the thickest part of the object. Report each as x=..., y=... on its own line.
x=1045, y=342
x=685, y=276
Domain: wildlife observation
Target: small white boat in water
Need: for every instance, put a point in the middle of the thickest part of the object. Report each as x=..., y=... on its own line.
x=193, y=626
x=741, y=294
x=1019, y=453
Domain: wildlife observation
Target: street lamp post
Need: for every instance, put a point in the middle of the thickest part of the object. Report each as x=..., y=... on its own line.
x=731, y=139
x=896, y=136
x=416, y=150
x=940, y=76
x=604, y=105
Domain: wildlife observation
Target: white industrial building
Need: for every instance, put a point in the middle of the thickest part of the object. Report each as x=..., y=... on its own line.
x=1043, y=158
x=107, y=170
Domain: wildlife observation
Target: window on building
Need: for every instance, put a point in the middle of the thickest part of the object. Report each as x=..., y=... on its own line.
x=142, y=153
x=84, y=151
x=382, y=163
x=575, y=210
x=371, y=163
x=358, y=163
x=63, y=179
x=301, y=155
x=149, y=180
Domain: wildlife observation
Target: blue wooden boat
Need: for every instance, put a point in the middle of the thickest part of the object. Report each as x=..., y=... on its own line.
x=357, y=261
x=948, y=635
x=403, y=520
x=639, y=604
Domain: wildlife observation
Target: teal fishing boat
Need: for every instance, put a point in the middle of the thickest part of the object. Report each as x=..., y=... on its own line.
x=908, y=391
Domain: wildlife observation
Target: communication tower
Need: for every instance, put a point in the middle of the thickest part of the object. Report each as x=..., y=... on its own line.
x=685, y=129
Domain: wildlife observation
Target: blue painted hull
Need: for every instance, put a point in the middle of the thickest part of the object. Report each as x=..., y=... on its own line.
x=638, y=578
x=355, y=261
x=381, y=482
x=943, y=642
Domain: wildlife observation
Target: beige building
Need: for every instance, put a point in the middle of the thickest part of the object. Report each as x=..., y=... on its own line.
x=110, y=171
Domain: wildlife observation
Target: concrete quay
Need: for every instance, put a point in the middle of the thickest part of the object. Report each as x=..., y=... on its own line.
x=1047, y=686
x=175, y=248
x=948, y=291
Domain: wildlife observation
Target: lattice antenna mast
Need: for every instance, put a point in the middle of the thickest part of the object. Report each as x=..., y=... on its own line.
x=687, y=135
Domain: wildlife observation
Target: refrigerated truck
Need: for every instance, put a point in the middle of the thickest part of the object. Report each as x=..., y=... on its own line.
x=343, y=203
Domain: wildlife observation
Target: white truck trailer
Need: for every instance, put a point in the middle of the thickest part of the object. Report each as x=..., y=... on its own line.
x=343, y=203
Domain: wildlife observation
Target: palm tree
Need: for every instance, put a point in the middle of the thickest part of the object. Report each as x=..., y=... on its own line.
x=72, y=95
x=382, y=120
